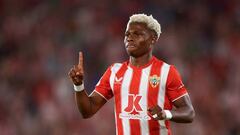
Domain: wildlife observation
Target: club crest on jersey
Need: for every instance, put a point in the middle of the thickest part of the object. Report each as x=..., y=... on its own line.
x=154, y=81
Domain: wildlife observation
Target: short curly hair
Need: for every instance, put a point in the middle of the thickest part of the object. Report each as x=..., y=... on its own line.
x=148, y=20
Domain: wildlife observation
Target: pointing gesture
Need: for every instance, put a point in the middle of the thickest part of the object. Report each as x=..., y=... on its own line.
x=76, y=73
x=80, y=60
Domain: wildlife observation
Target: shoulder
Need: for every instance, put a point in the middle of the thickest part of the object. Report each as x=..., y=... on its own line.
x=159, y=60
x=170, y=69
x=116, y=66
x=163, y=64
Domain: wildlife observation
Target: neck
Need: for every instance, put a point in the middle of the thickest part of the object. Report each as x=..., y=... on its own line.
x=140, y=61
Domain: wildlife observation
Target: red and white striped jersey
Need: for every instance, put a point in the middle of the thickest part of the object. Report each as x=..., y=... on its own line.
x=135, y=89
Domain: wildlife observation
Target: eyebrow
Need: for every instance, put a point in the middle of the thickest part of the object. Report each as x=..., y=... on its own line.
x=142, y=31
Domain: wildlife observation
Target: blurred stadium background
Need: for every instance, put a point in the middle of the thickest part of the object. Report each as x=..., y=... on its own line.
x=40, y=40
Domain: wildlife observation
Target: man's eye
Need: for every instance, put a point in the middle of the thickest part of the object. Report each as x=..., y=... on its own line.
x=138, y=33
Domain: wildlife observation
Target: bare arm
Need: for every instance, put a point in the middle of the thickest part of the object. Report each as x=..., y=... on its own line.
x=184, y=112
x=87, y=105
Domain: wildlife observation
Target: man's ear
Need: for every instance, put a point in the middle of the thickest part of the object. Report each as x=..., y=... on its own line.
x=154, y=39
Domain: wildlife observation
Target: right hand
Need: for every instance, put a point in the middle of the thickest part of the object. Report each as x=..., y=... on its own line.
x=76, y=73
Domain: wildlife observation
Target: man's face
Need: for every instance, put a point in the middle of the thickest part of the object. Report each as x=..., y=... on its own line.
x=138, y=39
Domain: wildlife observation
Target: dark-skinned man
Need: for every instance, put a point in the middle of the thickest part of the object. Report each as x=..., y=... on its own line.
x=144, y=88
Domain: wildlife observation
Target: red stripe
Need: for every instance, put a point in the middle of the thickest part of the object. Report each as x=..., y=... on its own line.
x=117, y=94
x=134, y=89
x=167, y=123
x=154, y=127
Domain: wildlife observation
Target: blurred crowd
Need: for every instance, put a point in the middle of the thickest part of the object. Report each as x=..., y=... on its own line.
x=40, y=41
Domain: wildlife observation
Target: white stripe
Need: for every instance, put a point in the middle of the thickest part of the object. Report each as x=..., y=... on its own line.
x=124, y=98
x=114, y=70
x=161, y=96
x=143, y=88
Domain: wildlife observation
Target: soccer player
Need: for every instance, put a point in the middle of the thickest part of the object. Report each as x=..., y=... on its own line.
x=148, y=92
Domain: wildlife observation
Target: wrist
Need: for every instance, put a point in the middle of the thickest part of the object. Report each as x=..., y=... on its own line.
x=168, y=114
x=78, y=88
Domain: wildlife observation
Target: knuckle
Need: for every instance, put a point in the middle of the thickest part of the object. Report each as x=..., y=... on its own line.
x=72, y=74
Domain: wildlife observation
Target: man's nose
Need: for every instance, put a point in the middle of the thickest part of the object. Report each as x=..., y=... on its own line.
x=129, y=38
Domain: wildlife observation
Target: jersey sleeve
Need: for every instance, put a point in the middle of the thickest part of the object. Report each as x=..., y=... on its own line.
x=175, y=87
x=103, y=87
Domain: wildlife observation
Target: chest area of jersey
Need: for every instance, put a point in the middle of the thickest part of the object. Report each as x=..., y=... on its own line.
x=136, y=91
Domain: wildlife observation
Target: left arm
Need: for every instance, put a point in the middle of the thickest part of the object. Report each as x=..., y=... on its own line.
x=184, y=112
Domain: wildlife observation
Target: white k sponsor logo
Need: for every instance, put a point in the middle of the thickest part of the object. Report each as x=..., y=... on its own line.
x=134, y=109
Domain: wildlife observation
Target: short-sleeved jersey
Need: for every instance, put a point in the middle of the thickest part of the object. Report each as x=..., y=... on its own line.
x=135, y=89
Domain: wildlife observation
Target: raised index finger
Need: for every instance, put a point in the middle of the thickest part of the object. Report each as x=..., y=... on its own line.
x=80, y=61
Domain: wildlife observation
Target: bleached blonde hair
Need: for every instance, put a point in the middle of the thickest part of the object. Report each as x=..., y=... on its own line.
x=148, y=20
